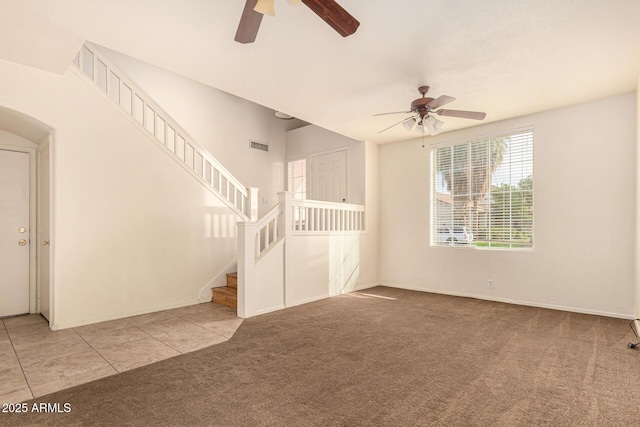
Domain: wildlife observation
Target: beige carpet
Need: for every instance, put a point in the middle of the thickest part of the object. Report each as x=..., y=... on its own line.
x=391, y=358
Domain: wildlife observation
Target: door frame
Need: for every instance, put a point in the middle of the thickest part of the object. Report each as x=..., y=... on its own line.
x=310, y=170
x=47, y=144
x=31, y=151
x=20, y=144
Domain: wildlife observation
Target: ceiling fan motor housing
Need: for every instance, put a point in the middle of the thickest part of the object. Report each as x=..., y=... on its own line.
x=420, y=106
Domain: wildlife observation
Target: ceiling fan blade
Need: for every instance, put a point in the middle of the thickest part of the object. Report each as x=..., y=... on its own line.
x=440, y=101
x=334, y=15
x=475, y=115
x=395, y=112
x=249, y=23
x=396, y=124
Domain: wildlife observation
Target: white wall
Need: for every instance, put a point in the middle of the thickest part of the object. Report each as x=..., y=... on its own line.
x=369, y=239
x=585, y=211
x=637, y=211
x=363, y=189
x=303, y=142
x=325, y=265
x=134, y=232
x=221, y=123
x=269, y=288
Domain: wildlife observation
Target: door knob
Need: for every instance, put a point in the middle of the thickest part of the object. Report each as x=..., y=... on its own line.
x=22, y=242
x=45, y=242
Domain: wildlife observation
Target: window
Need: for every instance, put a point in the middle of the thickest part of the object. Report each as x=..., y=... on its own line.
x=482, y=192
x=297, y=178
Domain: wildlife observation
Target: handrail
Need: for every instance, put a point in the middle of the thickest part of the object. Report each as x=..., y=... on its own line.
x=269, y=230
x=163, y=129
x=273, y=212
x=322, y=203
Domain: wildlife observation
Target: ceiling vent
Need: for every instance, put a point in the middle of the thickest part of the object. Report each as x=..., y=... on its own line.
x=259, y=146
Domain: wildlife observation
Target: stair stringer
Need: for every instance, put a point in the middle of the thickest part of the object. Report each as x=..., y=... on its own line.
x=218, y=281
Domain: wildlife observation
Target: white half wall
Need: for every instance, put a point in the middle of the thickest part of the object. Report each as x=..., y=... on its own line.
x=585, y=213
x=325, y=265
x=134, y=232
x=269, y=288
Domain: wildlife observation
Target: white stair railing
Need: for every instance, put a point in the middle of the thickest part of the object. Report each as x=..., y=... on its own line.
x=289, y=218
x=314, y=216
x=157, y=123
x=269, y=230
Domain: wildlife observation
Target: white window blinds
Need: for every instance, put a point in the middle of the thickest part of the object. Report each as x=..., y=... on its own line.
x=482, y=192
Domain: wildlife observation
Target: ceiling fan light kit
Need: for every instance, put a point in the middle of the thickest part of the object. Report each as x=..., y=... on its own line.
x=433, y=125
x=266, y=7
x=423, y=110
x=410, y=124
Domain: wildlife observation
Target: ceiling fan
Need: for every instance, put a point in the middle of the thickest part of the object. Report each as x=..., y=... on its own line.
x=330, y=11
x=423, y=110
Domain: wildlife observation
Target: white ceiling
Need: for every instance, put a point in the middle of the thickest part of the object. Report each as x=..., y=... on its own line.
x=505, y=57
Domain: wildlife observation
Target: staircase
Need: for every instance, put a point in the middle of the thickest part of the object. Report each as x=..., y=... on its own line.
x=158, y=126
x=227, y=295
x=265, y=284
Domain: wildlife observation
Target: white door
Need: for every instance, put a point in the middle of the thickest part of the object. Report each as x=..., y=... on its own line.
x=329, y=176
x=43, y=232
x=14, y=233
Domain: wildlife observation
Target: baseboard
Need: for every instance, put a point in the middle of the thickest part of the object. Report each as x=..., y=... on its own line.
x=363, y=287
x=271, y=309
x=313, y=299
x=511, y=301
x=308, y=300
x=74, y=324
x=320, y=297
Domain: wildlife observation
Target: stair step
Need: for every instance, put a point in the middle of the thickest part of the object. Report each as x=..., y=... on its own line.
x=225, y=296
x=232, y=280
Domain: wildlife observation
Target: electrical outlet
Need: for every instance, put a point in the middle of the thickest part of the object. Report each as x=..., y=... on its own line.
x=490, y=284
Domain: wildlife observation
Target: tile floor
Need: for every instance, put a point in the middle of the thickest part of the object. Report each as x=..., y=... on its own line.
x=34, y=360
